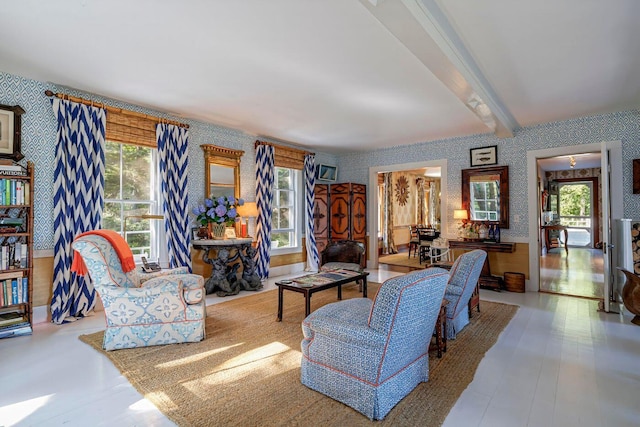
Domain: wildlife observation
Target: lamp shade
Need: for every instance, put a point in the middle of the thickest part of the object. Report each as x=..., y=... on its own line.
x=248, y=210
x=460, y=214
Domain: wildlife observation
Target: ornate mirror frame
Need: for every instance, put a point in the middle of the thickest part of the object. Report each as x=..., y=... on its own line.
x=221, y=157
x=503, y=173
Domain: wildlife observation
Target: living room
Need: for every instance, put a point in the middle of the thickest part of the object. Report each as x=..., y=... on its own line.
x=581, y=123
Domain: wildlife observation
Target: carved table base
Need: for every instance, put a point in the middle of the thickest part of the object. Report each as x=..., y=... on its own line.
x=224, y=278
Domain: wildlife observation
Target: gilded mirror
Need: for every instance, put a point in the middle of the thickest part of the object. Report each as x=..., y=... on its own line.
x=221, y=171
x=485, y=194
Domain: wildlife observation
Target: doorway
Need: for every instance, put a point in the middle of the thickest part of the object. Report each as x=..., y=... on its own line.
x=571, y=261
x=374, y=195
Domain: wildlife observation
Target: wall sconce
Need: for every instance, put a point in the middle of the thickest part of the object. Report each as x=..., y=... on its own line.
x=246, y=211
x=572, y=161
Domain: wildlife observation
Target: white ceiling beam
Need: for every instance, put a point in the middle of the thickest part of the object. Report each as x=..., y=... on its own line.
x=425, y=31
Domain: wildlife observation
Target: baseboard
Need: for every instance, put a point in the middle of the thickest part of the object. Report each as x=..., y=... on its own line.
x=286, y=269
x=41, y=314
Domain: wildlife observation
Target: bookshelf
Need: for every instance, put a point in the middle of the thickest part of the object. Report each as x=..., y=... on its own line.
x=16, y=249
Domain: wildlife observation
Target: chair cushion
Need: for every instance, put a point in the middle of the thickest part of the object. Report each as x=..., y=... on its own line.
x=341, y=266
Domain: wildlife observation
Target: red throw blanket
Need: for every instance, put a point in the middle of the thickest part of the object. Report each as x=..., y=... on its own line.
x=119, y=245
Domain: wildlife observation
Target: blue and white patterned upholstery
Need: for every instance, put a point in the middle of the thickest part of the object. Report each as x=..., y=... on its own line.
x=465, y=273
x=143, y=309
x=370, y=355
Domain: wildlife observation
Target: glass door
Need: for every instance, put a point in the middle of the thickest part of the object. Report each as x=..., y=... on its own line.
x=575, y=202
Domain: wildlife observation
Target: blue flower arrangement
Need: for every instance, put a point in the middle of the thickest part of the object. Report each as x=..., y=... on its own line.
x=220, y=210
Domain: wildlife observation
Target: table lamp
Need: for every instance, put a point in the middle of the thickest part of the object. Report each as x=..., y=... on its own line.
x=246, y=211
x=461, y=215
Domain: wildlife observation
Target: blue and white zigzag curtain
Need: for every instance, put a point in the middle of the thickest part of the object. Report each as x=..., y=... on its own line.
x=264, y=199
x=78, y=198
x=172, y=151
x=309, y=183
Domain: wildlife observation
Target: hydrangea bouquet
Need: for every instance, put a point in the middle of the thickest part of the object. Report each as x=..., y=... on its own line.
x=220, y=210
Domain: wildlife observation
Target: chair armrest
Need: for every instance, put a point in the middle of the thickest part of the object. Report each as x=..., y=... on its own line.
x=191, y=285
x=454, y=290
x=344, y=321
x=143, y=277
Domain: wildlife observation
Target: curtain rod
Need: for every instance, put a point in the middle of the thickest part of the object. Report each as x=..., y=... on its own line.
x=114, y=109
x=284, y=147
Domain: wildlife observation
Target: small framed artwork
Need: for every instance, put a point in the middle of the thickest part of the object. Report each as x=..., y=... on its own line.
x=194, y=233
x=230, y=233
x=10, y=132
x=484, y=156
x=327, y=173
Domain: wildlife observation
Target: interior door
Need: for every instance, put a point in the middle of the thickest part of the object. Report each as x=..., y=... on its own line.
x=606, y=226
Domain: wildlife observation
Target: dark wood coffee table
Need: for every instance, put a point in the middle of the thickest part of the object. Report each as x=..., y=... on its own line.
x=310, y=284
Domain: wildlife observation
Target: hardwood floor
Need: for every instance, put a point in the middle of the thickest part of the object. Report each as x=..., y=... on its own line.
x=580, y=273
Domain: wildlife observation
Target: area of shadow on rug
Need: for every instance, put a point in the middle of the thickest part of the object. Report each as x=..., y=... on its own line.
x=247, y=370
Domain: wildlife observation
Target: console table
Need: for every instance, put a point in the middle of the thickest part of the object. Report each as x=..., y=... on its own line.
x=546, y=228
x=222, y=254
x=486, y=279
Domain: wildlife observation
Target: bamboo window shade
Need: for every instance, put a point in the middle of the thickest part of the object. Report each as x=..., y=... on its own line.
x=125, y=126
x=286, y=157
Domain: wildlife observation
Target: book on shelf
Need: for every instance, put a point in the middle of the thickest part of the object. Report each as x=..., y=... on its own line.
x=14, y=288
x=13, y=255
x=16, y=330
x=11, y=318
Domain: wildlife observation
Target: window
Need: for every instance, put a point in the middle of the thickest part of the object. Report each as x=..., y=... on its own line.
x=285, y=218
x=131, y=190
x=484, y=200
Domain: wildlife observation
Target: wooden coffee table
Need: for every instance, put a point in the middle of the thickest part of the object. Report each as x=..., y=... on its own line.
x=312, y=283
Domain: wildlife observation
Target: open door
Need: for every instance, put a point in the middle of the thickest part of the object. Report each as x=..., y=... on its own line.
x=606, y=226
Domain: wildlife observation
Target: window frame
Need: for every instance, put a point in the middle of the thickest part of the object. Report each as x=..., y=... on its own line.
x=298, y=211
x=157, y=251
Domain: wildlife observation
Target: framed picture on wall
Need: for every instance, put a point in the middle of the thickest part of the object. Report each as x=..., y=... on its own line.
x=484, y=156
x=327, y=173
x=10, y=132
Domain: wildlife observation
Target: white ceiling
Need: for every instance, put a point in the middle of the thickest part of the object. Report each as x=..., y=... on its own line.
x=560, y=163
x=338, y=75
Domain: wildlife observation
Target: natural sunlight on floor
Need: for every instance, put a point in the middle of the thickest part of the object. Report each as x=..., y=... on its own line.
x=13, y=414
x=196, y=357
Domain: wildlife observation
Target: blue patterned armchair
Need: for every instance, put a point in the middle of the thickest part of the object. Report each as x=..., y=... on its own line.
x=143, y=309
x=371, y=354
x=465, y=273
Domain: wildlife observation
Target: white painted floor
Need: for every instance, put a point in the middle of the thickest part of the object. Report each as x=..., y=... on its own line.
x=558, y=363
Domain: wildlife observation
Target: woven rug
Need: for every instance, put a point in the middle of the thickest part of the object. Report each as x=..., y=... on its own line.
x=402, y=259
x=247, y=370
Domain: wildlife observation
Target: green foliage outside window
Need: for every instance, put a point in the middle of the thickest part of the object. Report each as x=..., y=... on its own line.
x=128, y=187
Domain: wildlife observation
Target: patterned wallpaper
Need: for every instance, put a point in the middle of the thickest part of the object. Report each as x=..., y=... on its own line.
x=623, y=126
x=39, y=137
x=39, y=128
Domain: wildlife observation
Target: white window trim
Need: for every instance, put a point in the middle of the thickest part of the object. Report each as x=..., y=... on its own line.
x=299, y=215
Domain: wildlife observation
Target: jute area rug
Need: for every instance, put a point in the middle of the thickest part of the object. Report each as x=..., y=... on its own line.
x=402, y=259
x=247, y=370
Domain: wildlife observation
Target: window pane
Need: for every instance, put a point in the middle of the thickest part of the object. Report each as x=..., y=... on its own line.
x=111, y=216
x=284, y=198
x=112, y=171
x=285, y=218
x=284, y=178
x=281, y=239
x=136, y=176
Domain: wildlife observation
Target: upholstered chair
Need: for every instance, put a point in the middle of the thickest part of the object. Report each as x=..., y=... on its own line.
x=465, y=273
x=141, y=309
x=345, y=254
x=371, y=354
